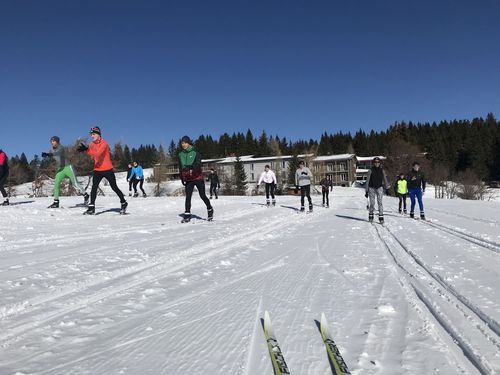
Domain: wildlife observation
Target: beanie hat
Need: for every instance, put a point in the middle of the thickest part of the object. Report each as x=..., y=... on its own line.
x=376, y=158
x=55, y=138
x=95, y=129
x=415, y=163
x=186, y=139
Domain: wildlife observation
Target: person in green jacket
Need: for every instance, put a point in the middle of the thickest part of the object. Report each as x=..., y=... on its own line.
x=401, y=189
x=63, y=169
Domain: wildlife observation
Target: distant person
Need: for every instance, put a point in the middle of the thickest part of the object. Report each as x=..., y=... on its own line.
x=269, y=178
x=63, y=169
x=4, y=174
x=416, y=189
x=130, y=182
x=401, y=190
x=326, y=187
x=213, y=178
x=137, y=177
x=98, y=150
x=376, y=185
x=303, y=178
x=192, y=176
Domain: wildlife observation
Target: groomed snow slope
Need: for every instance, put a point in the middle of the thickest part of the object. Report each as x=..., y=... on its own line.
x=144, y=294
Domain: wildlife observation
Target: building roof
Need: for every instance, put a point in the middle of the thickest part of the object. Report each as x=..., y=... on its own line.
x=369, y=158
x=334, y=157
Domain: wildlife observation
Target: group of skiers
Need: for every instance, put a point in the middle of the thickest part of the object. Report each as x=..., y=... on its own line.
x=411, y=184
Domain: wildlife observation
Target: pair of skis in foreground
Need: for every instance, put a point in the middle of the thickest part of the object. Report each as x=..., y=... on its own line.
x=280, y=367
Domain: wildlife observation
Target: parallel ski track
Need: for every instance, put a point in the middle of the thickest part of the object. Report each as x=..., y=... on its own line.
x=464, y=216
x=132, y=277
x=462, y=304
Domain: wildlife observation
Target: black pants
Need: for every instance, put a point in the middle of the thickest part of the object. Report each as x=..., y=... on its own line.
x=140, y=182
x=325, y=197
x=213, y=190
x=3, y=180
x=269, y=190
x=200, y=185
x=305, y=191
x=96, y=180
x=130, y=184
x=402, y=201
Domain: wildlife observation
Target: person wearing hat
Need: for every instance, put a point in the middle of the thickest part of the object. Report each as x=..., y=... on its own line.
x=376, y=184
x=192, y=176
x=4, y=174
x=137, y=176
x=269, y=178
x=303, y=178
x=416, y=189
x=326, y=186
x=98, y=150
x=213, y=178
x=401, y=189
x=63, y=169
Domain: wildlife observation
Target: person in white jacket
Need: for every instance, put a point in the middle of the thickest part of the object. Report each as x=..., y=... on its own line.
x=303, y=179
x=269, y=178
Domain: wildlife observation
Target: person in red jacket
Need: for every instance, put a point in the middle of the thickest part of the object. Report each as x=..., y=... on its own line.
x=4, y=173
x=98, y=150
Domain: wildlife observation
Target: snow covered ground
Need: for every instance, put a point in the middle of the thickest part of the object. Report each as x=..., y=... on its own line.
x=144, y=294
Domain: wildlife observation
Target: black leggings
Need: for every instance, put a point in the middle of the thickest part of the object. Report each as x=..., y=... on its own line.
x=402, y=200
x=305, y=191
x=96, y=180
x=3, y=180
x=130, y=184
x=269, y=190
x=325, y=197
x=140, y=182
x=213, y=189
x=200, y=185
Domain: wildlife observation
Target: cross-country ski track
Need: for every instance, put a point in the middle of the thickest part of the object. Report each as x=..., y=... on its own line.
x=144, y=294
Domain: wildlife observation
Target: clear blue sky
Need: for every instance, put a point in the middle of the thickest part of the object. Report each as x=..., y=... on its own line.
x=151, y=71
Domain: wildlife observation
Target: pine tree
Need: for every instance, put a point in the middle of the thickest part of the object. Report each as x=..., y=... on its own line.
x=240, y=177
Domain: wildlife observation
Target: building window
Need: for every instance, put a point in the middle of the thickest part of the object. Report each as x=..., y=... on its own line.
x=343, y=166
x=343, y=176
x=252, y=177
x=252, y=167
x=283, y=164
x=329, y=167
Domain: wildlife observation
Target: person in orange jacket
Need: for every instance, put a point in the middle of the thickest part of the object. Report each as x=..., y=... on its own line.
x=98, y=150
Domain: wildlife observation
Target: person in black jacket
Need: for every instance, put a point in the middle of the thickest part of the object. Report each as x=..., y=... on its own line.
x=376, y=184
x=326, y=187
x=4, y=173
x=416, y=189
x=130, y=182
x=214, y=183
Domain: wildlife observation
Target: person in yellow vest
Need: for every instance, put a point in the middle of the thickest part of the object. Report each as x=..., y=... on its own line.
x=401, y=189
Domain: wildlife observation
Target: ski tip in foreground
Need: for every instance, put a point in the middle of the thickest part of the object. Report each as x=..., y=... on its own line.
x=339, y=367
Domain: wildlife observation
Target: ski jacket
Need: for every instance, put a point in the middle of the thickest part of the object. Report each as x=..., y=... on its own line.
x=303, y=177
x=190, y=165
x=214, y=179
x=59, y=155
x=401, y=186
x=136, y=173
x=376, y=178
x=416, y=179
x=268, y=177
x=325, y=184
x=99, y=152
x=4, y=165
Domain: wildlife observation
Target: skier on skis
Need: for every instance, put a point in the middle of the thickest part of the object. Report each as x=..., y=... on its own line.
x=416, y=189
x=326, y=187
x=214, y=183
x=401, y=189
x=269, y=178
x=192, y=175
x=376, y=184
x=63, y=169
x=130, y=182
x=303, y=178
x=4, y=174
x=98, y=150
x=137, y=176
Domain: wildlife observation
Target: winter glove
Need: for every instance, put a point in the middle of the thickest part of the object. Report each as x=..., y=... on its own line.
x=45, y=154
x=387, y=192
x=82, y=147
x=366, y=195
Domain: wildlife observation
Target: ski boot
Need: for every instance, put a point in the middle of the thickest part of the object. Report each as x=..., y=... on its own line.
x=55, y=204
x=210, y=197
x=302, y=209
x=90, y=210
x=273, y=203
x=210, y=212
x=400, y=212
x=404, y=211
x=370, y=218
x=129, y=194
x=136, y=195
x=86, y=199
x=327, y=206
x=216, y=197
x=123, y=208
x=422, y=215
x=310, y=207
x=5, y=202
x=412, y=215
x=144, y=195
x=381, y=220
x=268, y=203
x=186, y=218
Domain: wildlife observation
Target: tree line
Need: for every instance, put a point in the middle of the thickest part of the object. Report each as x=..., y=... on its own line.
x=448, y=147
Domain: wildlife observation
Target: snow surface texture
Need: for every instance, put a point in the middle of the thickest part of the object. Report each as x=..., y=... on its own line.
x=144, y=294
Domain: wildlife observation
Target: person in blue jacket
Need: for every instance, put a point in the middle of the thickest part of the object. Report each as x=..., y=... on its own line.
x=137, y=177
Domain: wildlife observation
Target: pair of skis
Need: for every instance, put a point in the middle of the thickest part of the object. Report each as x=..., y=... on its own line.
x=280, y=367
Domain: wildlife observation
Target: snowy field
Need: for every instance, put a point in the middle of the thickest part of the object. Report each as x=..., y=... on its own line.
x=144, y=294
